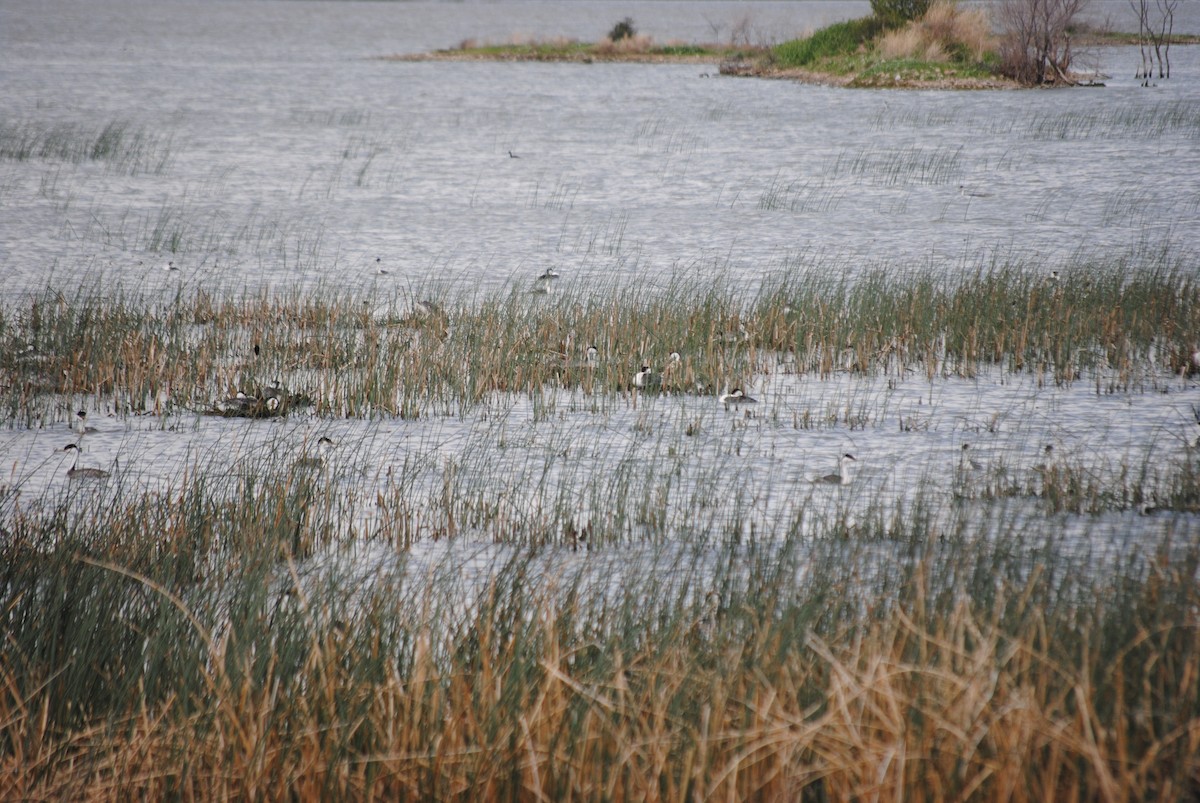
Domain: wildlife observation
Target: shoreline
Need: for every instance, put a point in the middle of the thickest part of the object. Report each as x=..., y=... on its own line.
x=754, y=62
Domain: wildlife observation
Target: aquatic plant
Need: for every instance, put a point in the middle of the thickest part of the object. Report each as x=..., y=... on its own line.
x=350, y=355
x=185, y=645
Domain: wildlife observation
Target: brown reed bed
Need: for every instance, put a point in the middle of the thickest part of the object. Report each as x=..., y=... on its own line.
x=361, y=356
x=183, y=644
x=983, y=688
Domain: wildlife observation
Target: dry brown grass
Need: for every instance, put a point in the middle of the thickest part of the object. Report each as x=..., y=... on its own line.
x=639, y=43
x=945, y=29
x=947, y=707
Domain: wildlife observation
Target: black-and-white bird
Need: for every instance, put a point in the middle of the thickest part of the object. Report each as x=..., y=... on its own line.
x=75, y=472
x=81, y=426
x=843, y=475
x=736, y=398
x=324, y=446
x=968, y=463
x=647, y=379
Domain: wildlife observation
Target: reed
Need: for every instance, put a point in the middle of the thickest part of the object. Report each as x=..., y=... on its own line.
x=118, y=145
x=185, y=646
x=354, y=355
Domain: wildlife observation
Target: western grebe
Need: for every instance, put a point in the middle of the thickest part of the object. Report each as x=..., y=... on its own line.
x=379, y=267
x=512, y=155
x=736, y=397
x=547, y=275
x=324, y=446
x=843, y=475
x=592, y=356
x=646, y=378
x=968, y=463
x=170, y=266
x=77, y=473
x=81, y=426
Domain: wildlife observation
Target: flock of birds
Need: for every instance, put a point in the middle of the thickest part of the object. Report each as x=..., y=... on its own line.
x=646, y=379
x=81, y=428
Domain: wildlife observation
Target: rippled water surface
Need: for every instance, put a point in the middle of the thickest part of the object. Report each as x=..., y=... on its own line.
x=268, y=144
x=275, y=148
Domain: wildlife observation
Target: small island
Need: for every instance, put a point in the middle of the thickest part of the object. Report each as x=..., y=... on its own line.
x=913, y=44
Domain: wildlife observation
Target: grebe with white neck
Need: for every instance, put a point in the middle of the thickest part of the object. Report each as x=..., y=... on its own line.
x=736, y=398
x=81, y=426
x=324, y=446
x=969, y=463
x=646, y=378
x=843, y=475
x=85, y=473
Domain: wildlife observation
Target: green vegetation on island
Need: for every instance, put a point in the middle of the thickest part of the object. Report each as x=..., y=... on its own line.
x=903, y=43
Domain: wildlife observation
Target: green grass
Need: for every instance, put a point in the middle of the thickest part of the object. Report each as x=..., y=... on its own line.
x=849, y=50
x=1107, y=323
x=118, y=144
x=631, y=49
x=183, y=640
x=839, y=39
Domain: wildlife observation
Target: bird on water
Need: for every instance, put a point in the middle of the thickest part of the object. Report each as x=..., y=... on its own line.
x=842, y=477
x=85, y=473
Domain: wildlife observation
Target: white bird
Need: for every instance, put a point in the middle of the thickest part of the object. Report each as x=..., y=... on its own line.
x=324, y=446
x=967, y=462
x=592, y=356
x=77, y=473
x=170, y=266
x=843, y=475
x=646, y=378
x=736, y=397
x=379, y=268
x=81, y=426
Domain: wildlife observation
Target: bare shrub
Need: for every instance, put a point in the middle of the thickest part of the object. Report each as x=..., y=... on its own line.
x=1154, y=36
x=1035, y=46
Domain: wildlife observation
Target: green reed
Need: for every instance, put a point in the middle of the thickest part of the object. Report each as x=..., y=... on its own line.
x=187, y=640
x=362, y=355
x=118, y=144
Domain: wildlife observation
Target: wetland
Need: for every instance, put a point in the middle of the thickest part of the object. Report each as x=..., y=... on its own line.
x=361, y=511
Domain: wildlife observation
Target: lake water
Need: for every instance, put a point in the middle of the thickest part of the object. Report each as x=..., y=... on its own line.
x=278, y=149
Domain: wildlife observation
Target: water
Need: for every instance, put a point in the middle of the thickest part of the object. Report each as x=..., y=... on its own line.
x=282, y=151
x=278, y=149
